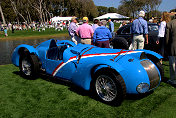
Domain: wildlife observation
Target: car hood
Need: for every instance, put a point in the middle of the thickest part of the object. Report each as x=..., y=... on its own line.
x=105, y=53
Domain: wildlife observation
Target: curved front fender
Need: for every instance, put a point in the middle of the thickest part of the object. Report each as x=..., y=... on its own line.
x=85, y=72
x=152, y=53
x=16, y=54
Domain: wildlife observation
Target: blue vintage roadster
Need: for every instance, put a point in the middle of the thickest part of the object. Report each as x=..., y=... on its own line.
x=109, y=73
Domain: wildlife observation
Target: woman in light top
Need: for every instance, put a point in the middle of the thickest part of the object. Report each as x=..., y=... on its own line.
x=161, y=33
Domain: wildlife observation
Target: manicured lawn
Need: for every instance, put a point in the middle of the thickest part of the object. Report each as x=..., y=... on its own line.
x=29, y=34
x=116, y=26
x=42, y=98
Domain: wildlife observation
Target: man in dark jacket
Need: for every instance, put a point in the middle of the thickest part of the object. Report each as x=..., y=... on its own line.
x=171, y=49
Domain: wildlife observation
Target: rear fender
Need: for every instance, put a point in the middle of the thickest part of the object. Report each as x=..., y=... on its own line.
x=19, y=50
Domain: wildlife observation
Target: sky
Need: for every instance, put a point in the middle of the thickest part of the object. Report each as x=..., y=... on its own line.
x=166, y=5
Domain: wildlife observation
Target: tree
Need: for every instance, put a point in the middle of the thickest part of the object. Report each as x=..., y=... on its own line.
x=102, y=10
x=41, y=10
x=112, y=10
x=81, y=8
x=17, y=9
x=150, y=5
x=155, y=13
x=130, y=7
x=173, y=10
x=2, y=15
x=122, y=9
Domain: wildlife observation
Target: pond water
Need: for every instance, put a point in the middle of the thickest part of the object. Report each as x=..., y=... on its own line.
x=7, y=47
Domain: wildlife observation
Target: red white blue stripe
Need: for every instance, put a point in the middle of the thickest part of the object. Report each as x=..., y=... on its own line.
x=61, y=65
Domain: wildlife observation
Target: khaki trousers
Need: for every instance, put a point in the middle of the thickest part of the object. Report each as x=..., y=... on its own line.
x=138, y=42
x=86, y=41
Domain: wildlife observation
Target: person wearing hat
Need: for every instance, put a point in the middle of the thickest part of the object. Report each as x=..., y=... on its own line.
x=111, y=26
x=139, y=30
x=85, y=32
x=72, y=30
x=102, y=35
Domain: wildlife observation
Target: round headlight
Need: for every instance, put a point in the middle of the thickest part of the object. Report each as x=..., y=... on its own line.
x=142, y=88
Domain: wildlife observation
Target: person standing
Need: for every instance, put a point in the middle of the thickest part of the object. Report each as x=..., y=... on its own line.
x=111, y=26
x=72, y=30
x=5, y=32
x=101, y=36
x=139, y=30
x=13, y=29
x=171, y=49
x=85, y=32
x=95, y=25
x=123, y=24
x=10, y=26
x=161, y=32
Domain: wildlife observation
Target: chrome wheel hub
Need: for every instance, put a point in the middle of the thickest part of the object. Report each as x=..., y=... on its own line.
x=26, y=66
x=106, y=88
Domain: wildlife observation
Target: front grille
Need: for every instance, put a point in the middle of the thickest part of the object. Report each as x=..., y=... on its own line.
x=152, y=73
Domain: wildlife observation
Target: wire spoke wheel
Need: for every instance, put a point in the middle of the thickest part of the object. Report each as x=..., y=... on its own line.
x=26, y=66
x=106, y=88
x=29, y=66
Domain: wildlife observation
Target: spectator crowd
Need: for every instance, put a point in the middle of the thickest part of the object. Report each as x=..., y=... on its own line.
x=100, y=35
x=97, y=34
x=35, y=26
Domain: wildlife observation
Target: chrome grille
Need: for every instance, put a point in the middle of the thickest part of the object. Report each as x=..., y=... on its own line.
x=152, y=73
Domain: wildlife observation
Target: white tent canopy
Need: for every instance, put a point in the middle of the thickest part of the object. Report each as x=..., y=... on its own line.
x=112, y=16
x=56, y=19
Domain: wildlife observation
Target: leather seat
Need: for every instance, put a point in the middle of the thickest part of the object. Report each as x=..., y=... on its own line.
x=53, y=51
x=61, y=51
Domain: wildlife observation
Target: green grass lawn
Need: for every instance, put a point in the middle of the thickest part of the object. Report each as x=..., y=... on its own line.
x=51, y=33
x=116, y=26
x=41, y=98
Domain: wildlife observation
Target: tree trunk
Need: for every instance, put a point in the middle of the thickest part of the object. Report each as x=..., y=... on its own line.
x=30, y=20
x=2, y=15
x=18, y=22
x=16, y=10
x=44, y=18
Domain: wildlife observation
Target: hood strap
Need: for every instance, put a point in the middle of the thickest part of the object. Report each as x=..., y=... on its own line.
x=117, y=55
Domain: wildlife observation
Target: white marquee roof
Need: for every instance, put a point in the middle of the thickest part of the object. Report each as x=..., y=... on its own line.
x=56, y=19
x=112, y=16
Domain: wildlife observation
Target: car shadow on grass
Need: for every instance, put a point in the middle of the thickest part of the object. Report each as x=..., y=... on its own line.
x=80, y=91
x=137, y=96
x=60, y=81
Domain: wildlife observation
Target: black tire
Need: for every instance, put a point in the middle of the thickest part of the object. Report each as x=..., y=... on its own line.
x=115, y=81
x=120, y=43
x=161, y=69
x=34, y=66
